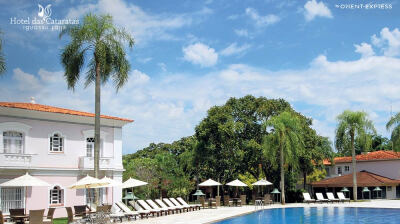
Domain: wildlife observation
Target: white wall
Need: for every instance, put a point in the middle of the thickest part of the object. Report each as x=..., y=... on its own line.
x=37, y=143
x=387, y=168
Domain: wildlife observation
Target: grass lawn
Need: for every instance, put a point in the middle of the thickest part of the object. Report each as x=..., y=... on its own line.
x=60, y=221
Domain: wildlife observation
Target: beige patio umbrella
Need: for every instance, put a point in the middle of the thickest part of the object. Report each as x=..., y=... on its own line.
x=210, y=183
x=87, y=183
x=262, y=182
x=25, y=181
x=237, y=183
x=110, y=183
x=131, y=183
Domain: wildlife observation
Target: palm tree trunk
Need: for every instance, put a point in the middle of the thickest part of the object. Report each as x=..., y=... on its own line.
x=97, y=130
x=353, y=160
x=282, y=176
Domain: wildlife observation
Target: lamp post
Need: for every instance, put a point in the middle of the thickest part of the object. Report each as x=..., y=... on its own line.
x=276, y=192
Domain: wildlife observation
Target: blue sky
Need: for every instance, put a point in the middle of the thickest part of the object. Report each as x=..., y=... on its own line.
x=190, y=55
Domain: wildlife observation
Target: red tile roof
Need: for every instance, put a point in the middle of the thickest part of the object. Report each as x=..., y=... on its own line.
x=364, y=179
x=377, y=155
x=50, y=109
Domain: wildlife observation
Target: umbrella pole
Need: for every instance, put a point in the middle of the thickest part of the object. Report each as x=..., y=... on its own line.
x=26, y=195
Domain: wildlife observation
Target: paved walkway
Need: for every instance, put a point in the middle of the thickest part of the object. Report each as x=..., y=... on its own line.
x=210, y=215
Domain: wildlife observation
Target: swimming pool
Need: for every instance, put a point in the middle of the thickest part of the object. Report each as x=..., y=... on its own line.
x=327, y=215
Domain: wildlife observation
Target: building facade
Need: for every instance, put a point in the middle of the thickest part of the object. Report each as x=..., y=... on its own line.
x=374, y=169
x=57, y=146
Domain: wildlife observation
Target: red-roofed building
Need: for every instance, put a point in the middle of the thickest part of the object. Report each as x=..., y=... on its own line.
x=56, y=145
x=383, y=165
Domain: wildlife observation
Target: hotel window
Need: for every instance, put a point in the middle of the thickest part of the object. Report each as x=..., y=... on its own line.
x=339, y=170
x=346, y=168
x=56, y=143
x=13, y=142
x=56, y=196
x=90, y=147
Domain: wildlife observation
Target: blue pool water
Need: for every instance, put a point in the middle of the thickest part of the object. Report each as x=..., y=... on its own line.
x=314, y=215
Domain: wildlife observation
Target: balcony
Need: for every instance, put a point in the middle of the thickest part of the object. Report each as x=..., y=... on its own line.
x=15, y=160
x=88, y=162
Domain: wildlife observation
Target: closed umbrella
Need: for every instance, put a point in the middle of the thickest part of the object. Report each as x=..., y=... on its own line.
x=209, y=183
x=237, y=183
x=25, y=181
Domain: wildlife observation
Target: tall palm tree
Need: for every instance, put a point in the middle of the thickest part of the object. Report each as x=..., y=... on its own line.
x=394, y=123
x=99, y=44
x=2, y=58
x=352, y=124
x=285, y=139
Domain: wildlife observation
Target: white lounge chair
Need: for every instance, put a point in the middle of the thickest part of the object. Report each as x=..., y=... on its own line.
x=147, y=207
x=163, y=205
x=307, y=198
x=170, y=204
x=183, y=202
x=176, y=203
x=155, y=206
x=140, y=209
x=320, y=198
x=127, y=211
x=331, y=197
x=342, y=198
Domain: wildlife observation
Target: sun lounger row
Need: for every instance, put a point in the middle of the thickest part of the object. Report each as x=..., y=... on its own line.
x=156, y=208
x=320, y=197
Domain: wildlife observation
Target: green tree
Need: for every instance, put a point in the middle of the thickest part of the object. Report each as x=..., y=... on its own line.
x=394, y=125
x=285, y=140
x=230, y=138
x=2, y=58
x=352, y=124
x=98, y=43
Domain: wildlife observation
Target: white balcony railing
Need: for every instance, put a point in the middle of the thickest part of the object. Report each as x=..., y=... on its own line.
x=13, y=159
x=88, y=162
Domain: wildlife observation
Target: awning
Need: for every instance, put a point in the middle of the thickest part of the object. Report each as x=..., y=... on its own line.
x=364, y=179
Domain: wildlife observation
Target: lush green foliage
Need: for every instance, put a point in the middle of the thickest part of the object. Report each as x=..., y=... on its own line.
x=228, y=143
x=285, y=141
x=99, y=44
x=394, y=124
x=166, y=167
x=354, y=126
x=2, y=58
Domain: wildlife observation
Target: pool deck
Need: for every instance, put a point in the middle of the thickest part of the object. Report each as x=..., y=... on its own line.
x=212, y=215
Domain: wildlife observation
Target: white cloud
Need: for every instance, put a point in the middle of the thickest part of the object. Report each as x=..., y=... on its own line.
x=144, y=60
x=314, y=9
x=139, y=77
x=234, y=49
x=389, y=41
x=261, y=20
x=26, y=81
x=242, y=32
x=200, y=54
x=162, y=66
x=364, y=49
x=143, y=25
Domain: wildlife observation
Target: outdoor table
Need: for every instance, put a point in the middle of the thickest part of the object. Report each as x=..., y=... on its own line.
x=19, y=218
x=210, y=200
x=235, y=201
